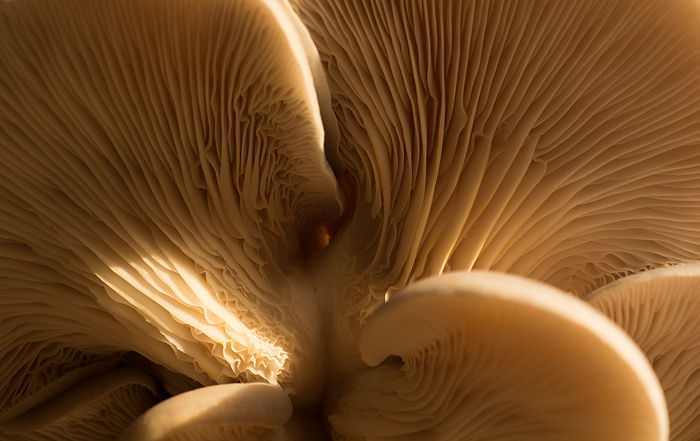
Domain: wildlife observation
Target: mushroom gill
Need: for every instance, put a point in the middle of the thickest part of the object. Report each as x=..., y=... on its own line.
x=159, y=161
x=169, y=217
x=94, y=408
x=488, y=356
x=659, y=309
x=557, y=140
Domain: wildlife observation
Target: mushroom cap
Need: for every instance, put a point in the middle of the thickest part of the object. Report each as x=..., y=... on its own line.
x=557, y=140
x=158, y=162
x=221, y=412
x=659, y=309
x=94, y=402
x=484, y=355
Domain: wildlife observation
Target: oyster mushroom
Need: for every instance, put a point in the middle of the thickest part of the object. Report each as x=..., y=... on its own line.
x=221, y=412
x=659, y=309
x=165, y=182
x=557, y=140
x=495, y=356
x=153, y=189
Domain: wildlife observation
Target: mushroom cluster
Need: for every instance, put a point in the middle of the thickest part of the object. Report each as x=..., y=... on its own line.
x=349, y=220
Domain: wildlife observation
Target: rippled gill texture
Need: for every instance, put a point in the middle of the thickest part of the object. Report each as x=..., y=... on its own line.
x=542, y=138
x=490, y=357
x=659, y=310
x=153, y=187
x=211, y=210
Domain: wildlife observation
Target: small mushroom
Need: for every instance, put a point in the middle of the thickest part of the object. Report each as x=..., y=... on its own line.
x=223, y=412
x=94, y=401
x=660, y=310
x=482, y=355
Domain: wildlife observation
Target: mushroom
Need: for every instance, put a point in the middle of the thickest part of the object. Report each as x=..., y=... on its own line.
x=206, y=192
x=74, y=406
x=221, y=412
x=153, y=189
x=557, y=140
x=502, y=136
x=659, y=309
x=493, y=356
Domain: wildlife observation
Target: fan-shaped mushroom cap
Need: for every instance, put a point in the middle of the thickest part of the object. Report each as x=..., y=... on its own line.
x=158, y=161
x=74, y=406
x=495, y=356
x=237, y=412
x=659, y=309
x=557, y=140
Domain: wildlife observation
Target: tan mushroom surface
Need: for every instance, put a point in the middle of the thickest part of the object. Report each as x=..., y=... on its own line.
x=553, y=139
x=202, y=193
x=485, y=355
x=153, y=189
x=220, y=412
x=660, y=310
